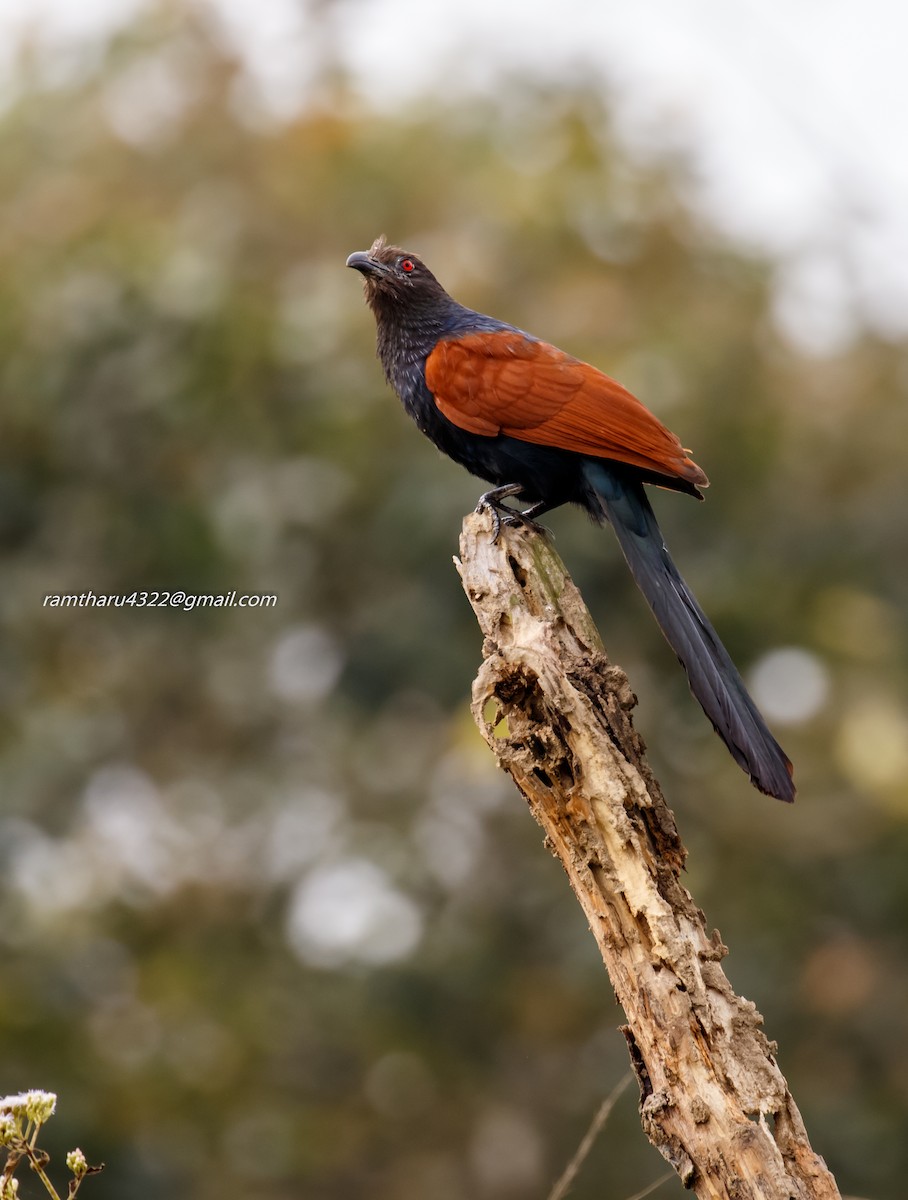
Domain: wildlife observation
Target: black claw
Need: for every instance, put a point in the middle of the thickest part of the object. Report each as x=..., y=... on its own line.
x=494, y=501
x=496, y=521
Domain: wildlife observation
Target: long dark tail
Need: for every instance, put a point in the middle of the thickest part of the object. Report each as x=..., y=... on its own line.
x=713, y=677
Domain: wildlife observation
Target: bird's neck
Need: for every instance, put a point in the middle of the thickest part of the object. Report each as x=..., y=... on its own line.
x=406, y=335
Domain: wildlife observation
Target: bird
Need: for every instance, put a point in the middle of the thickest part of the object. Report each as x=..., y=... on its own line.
x=547, y=429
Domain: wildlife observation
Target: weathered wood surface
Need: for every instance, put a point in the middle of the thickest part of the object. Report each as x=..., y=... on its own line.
x=556, y=714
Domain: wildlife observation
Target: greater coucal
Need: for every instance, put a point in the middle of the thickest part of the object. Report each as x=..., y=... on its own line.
x=538, y=424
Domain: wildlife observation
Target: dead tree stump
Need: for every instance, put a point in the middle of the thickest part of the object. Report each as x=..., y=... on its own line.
x=556, y=714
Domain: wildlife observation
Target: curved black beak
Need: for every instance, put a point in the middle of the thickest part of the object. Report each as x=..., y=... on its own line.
x=359, y=260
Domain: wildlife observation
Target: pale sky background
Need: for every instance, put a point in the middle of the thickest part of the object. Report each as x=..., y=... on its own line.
x=793, y=114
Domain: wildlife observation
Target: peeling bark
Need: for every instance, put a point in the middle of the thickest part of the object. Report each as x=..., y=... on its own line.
x=556, y=714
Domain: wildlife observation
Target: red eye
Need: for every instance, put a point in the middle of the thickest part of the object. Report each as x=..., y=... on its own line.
x=407, y=265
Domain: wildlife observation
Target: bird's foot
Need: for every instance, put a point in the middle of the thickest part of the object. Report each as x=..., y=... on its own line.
x=494, y=502
x=525, y=518
x=515, y=519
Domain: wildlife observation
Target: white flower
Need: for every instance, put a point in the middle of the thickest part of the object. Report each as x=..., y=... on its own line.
x=75, y=1161
x=39, y=1106
x=9, y=1128
x=35, y=1105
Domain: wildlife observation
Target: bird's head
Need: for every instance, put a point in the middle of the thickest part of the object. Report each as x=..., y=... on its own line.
x=392, y=276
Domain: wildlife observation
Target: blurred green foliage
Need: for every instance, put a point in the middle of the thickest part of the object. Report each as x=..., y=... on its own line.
x=271, y=924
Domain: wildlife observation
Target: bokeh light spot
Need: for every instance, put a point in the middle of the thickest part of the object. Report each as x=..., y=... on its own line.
x=839, y=976
x=873, y=748
x=790, y=685
x=399, y=1085
x=505, y=1151
x=305, y=664
x=350, y=911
